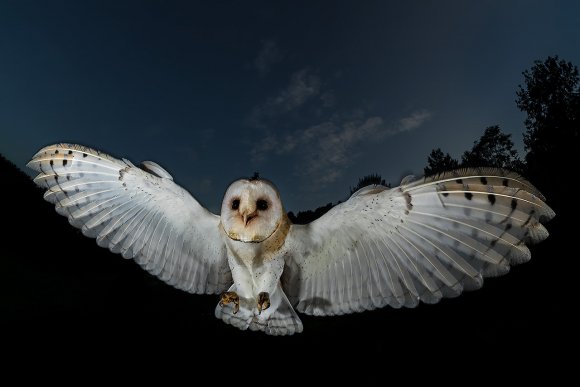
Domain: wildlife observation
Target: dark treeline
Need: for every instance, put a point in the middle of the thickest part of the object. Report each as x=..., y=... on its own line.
x=493, y=149
x=305, y=217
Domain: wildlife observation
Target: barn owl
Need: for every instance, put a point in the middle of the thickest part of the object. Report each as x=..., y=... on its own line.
x=427, y=239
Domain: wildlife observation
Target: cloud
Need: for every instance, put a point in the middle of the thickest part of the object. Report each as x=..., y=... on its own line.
x=332, y=141
x=415, y=120
x=330, y=146
x=269, y=54
x=303, y=86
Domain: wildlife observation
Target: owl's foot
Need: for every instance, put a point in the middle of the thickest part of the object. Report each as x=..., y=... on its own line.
x=263, y=301
x=229, y=297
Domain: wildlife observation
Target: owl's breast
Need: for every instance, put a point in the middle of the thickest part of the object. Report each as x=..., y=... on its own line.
x=245, y=252
x=252, y=253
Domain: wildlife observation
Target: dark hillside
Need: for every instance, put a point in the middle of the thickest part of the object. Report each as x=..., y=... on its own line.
x=59, y=288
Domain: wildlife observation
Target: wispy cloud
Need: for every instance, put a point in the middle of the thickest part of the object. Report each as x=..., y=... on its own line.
x=329, y=140
x=303, y=86
x=414, y=120
x=269, y=54
x=330, y=146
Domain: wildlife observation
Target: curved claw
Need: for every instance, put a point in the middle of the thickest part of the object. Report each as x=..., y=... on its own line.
x=229, y=297
x=263, y=301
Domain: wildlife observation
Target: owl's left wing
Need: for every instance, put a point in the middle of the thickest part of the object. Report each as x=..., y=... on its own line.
x=137, y=212
x=422, y=241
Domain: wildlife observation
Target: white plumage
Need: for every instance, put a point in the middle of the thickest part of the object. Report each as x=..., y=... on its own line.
x=425, y=240
x=137, y=214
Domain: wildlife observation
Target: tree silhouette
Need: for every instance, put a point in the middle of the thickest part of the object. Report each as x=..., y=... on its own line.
x=305, y=217
x=368, y=180
x=438, y=162
x=550, y=98
x=493, y=149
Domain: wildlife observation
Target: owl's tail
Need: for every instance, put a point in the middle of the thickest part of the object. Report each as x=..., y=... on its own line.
x=279, y=319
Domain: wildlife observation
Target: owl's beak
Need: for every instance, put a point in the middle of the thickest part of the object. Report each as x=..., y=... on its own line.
x=247, y=217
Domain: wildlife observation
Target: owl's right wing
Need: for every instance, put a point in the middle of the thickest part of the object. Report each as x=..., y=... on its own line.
x=422, y=241
x=141, y=215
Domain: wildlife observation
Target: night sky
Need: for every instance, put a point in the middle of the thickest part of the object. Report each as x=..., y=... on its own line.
x=313, y=95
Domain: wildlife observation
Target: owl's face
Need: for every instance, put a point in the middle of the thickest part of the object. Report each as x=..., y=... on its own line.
x=251, y=210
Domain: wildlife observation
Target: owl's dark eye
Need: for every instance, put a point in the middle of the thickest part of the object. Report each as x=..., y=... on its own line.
x=262, y=204
x=235, y=204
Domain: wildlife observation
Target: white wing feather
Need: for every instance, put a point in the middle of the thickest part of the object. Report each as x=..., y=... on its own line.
x=422, y=241
x=141, y=215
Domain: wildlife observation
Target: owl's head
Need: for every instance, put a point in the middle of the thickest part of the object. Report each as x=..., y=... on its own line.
x=251, y=210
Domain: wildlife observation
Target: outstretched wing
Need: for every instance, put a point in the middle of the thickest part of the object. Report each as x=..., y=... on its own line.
x=141, y=215
x=424, y=240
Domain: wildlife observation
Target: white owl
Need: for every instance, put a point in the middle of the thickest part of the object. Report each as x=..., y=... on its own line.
x=422, y=241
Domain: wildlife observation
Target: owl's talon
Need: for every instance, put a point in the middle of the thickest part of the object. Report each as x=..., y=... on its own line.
x=229, y=297
x=263, y=301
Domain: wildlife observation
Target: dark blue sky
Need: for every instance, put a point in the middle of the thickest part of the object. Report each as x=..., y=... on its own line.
x=313, y=95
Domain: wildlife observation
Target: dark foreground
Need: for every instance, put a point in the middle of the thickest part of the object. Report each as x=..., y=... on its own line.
x=60, y=292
